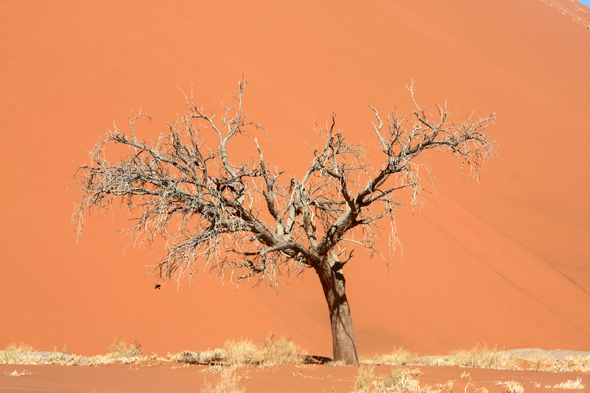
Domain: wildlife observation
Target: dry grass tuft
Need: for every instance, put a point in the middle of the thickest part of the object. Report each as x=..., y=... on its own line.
x=513, y=387
x=398, y=380
x=398, y=357
x=544, y=361
x=213, y=369
x=282, y=351
x=244, y=352
x=578, y=364
x=272, y=352
x=570, y=385
x=239, y=353
x=120, y=352
x=448, y=387
x=22, y=354
x=64, y=359
x=336, y=363
x=236, y=353
x=199, y=357
x=540, y=360
x=364, y=380
x=228, y=383
x=476, y=358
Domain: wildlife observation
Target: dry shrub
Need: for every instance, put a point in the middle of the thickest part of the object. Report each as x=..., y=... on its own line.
x=271, y=352
x=434, y=361
x=58, y=357
x=120, y=350
x=213, y=369
x=99, y=359
x=364, y=380
x=398, y=380
x=513, y=387
x=228, y=383
x=498, y=359
x=336, y=363
x=199, y=357
x=239, y=353
x=570, y=385
x=398, y=357
x=579, y=364
x=448, y=387
x=212, y=356
x=476, y=358
x=243, y=352
x=185, y=357
x=484, y=358
x=25, y=354
x=64, y=359
x=544, y=361
x=540, y=360
x=283, y=351
x=22, y=354
x=407, y=384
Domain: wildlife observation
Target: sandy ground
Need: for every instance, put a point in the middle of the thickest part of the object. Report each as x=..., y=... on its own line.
x=502, y=262
x=167, y=377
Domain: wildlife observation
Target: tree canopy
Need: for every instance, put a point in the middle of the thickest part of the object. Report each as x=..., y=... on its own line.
x=253, y=221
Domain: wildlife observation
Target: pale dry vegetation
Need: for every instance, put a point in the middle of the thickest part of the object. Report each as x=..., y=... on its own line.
x=270, y=353
x=476, y=358
x=578, y=364
x=498, y=359
x=228, y=383
x=25, y=354
x=242, y=352
x=544, y=361
x=64, y=359
x=539, y=360
x=335, y=363
x=513, y=387
x=570, y=385
x=398, y=357
x=398, y=380
x=21, y=354
x=120, y=352
x=199, y=357
x=235, y=353
x=245, y=352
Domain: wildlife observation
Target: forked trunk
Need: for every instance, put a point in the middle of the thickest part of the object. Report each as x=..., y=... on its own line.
x=343, y=342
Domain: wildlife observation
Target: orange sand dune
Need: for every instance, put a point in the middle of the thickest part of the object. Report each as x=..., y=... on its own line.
x=503, y=262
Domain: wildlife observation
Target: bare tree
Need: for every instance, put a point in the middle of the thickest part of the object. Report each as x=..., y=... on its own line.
x=250, y=219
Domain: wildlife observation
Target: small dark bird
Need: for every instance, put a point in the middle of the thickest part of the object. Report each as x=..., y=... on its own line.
x=158, y=286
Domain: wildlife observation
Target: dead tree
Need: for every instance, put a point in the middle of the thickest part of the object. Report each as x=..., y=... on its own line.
x=250, y=219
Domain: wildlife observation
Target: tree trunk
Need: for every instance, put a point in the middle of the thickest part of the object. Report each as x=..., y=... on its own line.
x=333, y=284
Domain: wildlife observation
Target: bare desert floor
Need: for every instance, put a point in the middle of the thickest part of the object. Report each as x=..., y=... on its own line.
x=170, y=377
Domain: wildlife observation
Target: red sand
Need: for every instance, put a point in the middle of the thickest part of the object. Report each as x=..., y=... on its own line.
x=502, y=262
x=284, y=379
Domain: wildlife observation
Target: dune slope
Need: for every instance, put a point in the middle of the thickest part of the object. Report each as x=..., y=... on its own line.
x=502, y=262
